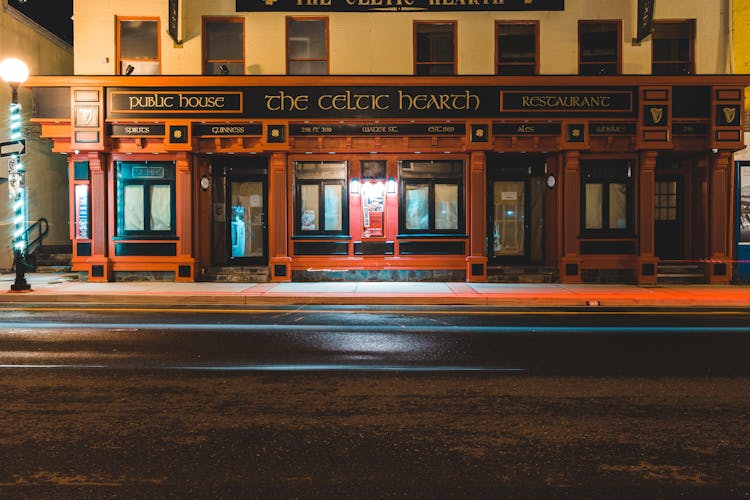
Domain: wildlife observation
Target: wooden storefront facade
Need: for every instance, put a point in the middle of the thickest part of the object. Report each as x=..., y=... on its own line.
x=476, y=178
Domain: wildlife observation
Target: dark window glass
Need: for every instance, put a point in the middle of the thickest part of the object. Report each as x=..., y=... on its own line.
x=431, y=197
x=516, y=49
x=435, y=49
x=224, y=42
x=672, y=48
x=138, y=46
x=307, y=46
x=599, y=48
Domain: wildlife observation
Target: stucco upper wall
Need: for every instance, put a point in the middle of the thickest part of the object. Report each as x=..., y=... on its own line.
x=382, y=43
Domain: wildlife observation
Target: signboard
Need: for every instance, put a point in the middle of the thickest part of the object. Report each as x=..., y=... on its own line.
x=612, y=128
x=371, y=102
x=377, y=129
x=13, y=148
x=138, y=130
x=525, y=128
x=173, y=20
x=322, y=6
x=227, y=129
x=645, y=21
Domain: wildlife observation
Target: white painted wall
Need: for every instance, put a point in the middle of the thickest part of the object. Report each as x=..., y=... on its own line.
x=381, y=43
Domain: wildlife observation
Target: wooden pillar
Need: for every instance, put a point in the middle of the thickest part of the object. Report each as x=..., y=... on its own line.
x=570, y=264
x=100, y=268
x=476, y=262
x=279, y=261
x=646, y=272
x=720, y=201
x=184, y=193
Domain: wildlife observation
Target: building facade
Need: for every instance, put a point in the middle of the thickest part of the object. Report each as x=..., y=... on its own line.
x=47, y=175
x=399, y=139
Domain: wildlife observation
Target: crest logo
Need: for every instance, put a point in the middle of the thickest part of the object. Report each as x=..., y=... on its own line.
x=729, y=114
x=657, y=114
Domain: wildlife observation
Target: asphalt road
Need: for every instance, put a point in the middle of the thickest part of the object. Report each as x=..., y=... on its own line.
x=359, y=404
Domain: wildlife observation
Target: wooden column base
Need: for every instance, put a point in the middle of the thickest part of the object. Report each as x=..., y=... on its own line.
x=570, y=270
x=281, y=268
x=476, y=269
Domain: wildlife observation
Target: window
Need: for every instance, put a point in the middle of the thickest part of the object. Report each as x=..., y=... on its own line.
x=435, y=48
x=665, y=200
x=599, y=47
x=145, y=199
x=321, y=206
x=223, y=46
x=138, y=46
x=607, y=199
x=431, y=197
x=672, y=48
x=306, y=46
x=517, y=48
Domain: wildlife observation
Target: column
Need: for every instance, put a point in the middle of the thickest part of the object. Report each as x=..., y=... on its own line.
x=279, y=261
x=719, y=266
x=646, y=272
x=476, y=262
x=100, y=268
x=185, y=270
x=570, y=264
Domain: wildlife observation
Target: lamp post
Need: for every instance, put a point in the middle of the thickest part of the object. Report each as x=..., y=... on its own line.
x=15, y=72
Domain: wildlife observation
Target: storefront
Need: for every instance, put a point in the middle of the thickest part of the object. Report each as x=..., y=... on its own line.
x=399, y=178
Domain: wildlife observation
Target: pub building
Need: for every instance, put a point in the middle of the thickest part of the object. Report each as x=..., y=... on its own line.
x=475, y=178
x=499, y=140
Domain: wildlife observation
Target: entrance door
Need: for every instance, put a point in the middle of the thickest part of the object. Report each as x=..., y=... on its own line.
x=509, y=227
x=246, y=228
x=669, y=223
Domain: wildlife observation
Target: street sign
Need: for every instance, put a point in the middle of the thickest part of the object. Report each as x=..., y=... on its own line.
x=13, y=148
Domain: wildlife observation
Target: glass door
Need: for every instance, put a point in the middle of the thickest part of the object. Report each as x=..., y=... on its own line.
x=509, y=235
x=246, y=220
x=668, y=218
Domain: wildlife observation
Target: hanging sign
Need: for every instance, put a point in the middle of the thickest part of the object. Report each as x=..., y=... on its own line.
x=645, y=19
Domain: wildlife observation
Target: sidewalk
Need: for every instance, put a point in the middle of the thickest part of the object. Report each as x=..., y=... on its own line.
x=59, y=288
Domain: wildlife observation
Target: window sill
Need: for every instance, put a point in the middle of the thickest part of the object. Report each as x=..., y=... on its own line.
x=402, y=236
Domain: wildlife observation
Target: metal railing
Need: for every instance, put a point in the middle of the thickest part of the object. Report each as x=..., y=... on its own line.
x=38, y=230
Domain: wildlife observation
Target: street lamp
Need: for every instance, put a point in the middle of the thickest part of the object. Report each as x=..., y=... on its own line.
x=15, y=72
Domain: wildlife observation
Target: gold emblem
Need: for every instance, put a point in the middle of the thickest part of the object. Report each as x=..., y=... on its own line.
x=177, y=134
x=479, y=132
x=576, y=132
x=275, y=132
x=269, y=2
x=729, y=114
x=657, y=114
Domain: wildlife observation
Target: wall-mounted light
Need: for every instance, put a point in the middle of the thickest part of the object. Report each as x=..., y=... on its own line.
x=354, y=187
x=205, y=183
x=129, y=70
x=223, y=69
x=391, y=186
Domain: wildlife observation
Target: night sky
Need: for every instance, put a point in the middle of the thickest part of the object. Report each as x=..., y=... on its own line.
x=52, y=14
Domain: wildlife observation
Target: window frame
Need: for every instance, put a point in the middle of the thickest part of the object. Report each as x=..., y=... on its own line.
x=691, y=24
x=618, y=48
x=206, y=62
x=118, y=42
x=321, y=183
x=454, y=62
x=498, y=63
x=121, y=183
x=326, y=36
x=431, y=181
x=605, y=172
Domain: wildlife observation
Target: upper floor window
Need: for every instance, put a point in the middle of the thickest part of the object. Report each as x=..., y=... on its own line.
x=435, y=48
x=138, y=46
x=672, y=48
x=223, y=46
x=517, y=48
x=306, y=46
x=599, y=47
